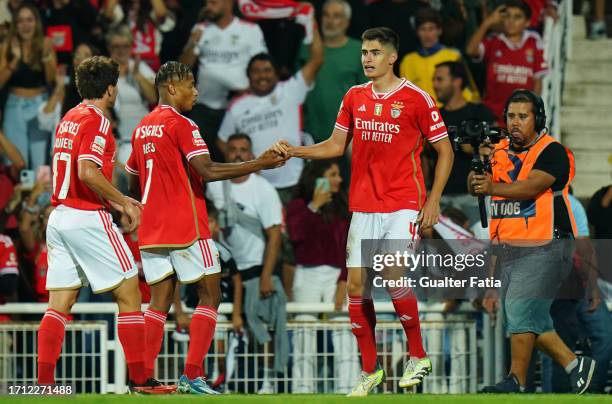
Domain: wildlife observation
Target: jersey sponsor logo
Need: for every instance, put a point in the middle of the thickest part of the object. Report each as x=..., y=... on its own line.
x=149, y=131
x=435, y=116
x=511, y=209
x=197, y=138
x=375, y=131
x=512, y=74
x=98, y=145
x=68, y=127
x=378, y=109
x=362, y=108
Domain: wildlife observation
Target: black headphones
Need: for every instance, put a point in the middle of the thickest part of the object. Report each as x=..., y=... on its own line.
x=538, y=107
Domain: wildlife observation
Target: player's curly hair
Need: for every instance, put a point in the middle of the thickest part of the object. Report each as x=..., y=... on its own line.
x=337, y=209
x=521, y=5
x=94, y=75
x=384, y=35
x=172, y=71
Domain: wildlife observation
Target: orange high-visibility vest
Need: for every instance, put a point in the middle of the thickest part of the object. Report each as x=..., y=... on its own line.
x=528, y=222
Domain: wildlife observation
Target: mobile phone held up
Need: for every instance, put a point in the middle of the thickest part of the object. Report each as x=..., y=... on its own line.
x=27, y=178
x=323, y=183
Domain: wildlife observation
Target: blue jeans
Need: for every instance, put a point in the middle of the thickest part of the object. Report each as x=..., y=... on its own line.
x=598, y=324
x=21, y=128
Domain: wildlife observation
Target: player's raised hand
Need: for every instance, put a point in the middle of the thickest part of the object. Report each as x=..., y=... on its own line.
x=428, y=216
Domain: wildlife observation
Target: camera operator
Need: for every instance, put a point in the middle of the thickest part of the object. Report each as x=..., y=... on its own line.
x=529, y=184
x=449, y=81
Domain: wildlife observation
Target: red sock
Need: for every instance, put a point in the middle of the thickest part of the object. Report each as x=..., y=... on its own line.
x=50, y=339
x=201, y=332
x=154, y=335
x=407, y=310
x=130, y=329
x=362, y=327
x=370, y=313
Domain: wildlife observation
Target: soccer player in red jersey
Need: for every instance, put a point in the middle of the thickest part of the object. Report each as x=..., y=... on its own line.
x=169, y=160
x=387, y=119
x=83, y=243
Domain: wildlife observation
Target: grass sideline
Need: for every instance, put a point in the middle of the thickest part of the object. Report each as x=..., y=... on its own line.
x=321, y=399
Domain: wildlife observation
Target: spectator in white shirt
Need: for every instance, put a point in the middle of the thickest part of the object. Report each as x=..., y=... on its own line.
x=271, y=111
x=250, y=216
x=221, y=47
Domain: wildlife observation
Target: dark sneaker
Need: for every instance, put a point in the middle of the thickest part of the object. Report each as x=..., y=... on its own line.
x=151, y=386
x=581, y=376
x=509, y=384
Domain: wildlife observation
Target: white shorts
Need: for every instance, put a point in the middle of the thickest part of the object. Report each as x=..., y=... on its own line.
x=190, y=264
x=376, y=227
x=85, y=246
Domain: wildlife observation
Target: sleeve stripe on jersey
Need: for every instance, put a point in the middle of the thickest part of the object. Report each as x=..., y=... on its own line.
x=196, y=153
x=91, y=157
x=438, y=137
x=541, y=73
x=131, y=170
x=342, y=128
x=430, y=102
x=9, y=270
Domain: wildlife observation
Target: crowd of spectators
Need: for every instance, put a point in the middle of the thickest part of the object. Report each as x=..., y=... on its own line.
x=284, y=231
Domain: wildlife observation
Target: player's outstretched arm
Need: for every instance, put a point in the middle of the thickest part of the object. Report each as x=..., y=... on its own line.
x=330, y=148
x=212, y=171
x=91, y=176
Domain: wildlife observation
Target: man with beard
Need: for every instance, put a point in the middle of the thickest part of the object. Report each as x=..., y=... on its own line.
x=449, y=81
x=530, y=218
x=250, y=216
x=221, y=46
x=340, y=71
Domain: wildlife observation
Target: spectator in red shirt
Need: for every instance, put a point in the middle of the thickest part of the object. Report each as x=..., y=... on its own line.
x=9, y=172
x=9, y=273
x=514, y=58
x=32, y=230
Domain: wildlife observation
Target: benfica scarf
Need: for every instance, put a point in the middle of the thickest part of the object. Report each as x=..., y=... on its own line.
x=255, y=10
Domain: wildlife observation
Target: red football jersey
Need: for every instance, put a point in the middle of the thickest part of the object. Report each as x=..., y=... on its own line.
x=510, y=67
x=388, y=131
x=174, y=212
x=8, y=256
x=84, y=133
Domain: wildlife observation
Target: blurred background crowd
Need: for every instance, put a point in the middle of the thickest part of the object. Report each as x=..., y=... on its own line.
x=254, y=62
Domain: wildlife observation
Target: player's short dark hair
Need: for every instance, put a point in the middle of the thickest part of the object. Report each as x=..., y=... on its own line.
x=456, y=71
x=520, y=4
x=265, y=57
x=519, y=97
x=425, y=15
x=240, y=136
x=172, y=71
x=384, y=35
x=94, y=75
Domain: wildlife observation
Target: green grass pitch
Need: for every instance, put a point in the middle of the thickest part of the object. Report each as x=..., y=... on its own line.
x=321, y=399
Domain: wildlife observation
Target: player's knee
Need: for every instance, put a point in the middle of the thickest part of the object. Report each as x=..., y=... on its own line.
x=209, y=295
